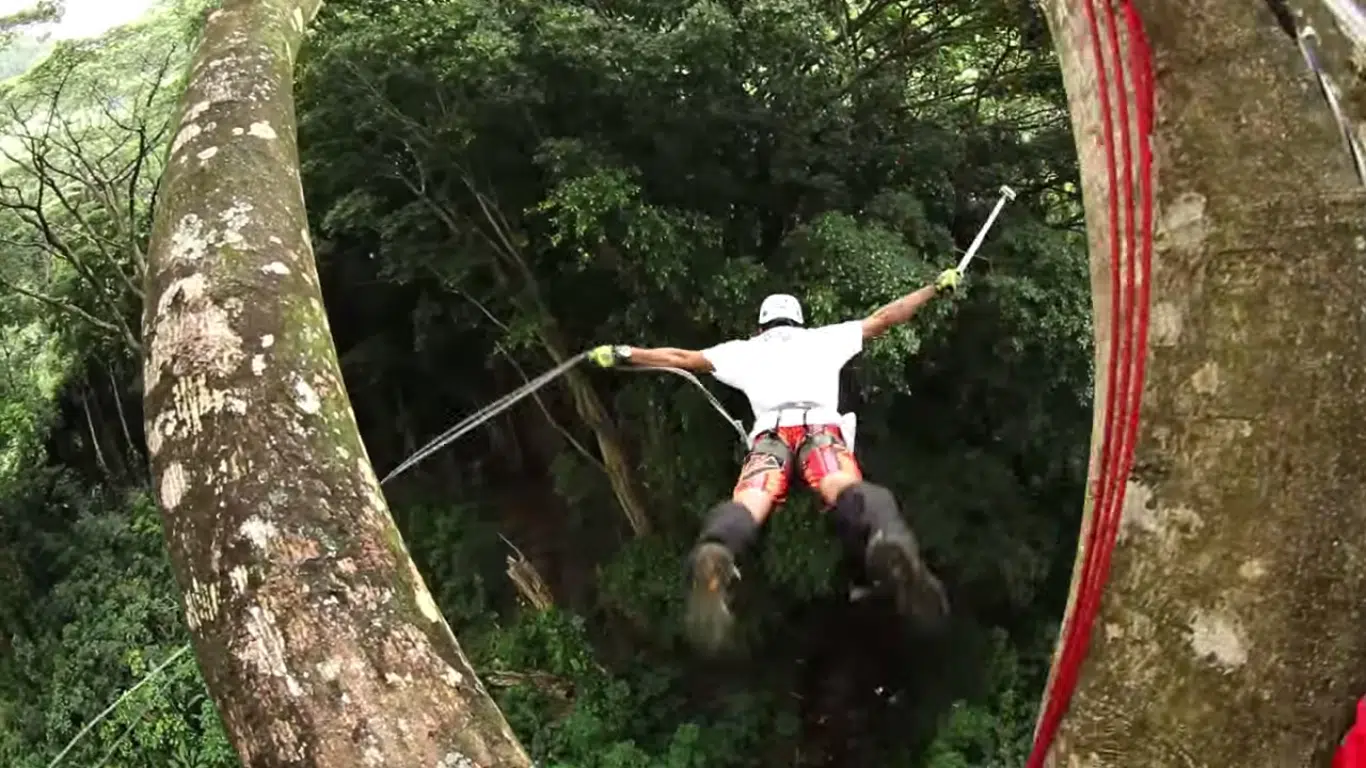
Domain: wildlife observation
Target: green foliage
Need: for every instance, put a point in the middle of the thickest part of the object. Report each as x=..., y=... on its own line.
x=641, y=584
x=103, y=620
x=83, y=571
x=458, y=552
x=996, y=733
x=800, y=556
x=628, y=718
x=82, y=140
x=645, y=173
x=31, y=370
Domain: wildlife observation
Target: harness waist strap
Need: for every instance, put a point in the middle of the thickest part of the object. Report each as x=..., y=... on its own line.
x=794, y=415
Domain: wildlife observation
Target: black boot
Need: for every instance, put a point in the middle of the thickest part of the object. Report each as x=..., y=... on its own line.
x=729, y=531
x=870, y=525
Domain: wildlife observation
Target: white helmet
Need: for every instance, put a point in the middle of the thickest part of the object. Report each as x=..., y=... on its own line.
x=780, y=306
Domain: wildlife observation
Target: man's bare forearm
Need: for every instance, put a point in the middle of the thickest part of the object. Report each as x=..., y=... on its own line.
x=669, y=357
x=897, y=312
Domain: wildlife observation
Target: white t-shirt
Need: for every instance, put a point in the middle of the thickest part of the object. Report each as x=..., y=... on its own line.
x=788, y=365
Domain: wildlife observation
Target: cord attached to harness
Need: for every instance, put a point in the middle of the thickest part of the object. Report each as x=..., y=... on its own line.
x=711, y=399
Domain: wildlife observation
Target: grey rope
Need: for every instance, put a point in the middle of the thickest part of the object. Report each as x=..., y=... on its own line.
x=133, y=723
x=479, y=417
x=474, y=420
x=711, y=399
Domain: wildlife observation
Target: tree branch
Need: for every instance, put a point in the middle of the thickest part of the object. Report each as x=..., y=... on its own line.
x=72, y=309
x=94, y=436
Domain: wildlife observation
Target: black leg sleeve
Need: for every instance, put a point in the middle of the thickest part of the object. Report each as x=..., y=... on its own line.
x=730, y=525
x=860, y=510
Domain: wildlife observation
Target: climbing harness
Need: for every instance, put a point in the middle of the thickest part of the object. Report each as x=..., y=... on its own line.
x=1352, y=21
x=1007, y=194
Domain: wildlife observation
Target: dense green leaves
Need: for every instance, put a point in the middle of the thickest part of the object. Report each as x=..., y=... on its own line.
x=103, y=620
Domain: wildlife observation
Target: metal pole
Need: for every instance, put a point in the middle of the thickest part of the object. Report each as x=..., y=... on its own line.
x=1006, y=194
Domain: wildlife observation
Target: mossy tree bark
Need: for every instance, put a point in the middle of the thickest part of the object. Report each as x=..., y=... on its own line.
x=316, y=635
x=1230, y=629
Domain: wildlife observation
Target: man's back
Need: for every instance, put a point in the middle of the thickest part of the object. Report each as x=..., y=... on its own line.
x=788, y=364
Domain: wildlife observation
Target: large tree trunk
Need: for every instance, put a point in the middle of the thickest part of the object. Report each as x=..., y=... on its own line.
x=1230, y=630
x=316, y=635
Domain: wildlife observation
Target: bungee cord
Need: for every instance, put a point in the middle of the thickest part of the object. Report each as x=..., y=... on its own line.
x=479, y=417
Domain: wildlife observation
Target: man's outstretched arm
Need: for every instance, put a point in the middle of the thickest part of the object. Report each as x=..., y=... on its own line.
x=904, y=308
x=651, y=357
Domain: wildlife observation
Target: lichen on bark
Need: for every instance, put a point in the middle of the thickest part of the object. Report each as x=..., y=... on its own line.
x=316, y=635
x=1230, y=626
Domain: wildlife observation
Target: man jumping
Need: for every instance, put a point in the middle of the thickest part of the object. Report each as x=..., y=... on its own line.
x=790, y=374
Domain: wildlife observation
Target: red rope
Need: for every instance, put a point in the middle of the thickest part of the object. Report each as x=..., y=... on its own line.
x=1352, y=752
x=1129, y=294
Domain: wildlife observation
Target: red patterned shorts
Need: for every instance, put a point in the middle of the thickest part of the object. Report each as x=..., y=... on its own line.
x=819, y=450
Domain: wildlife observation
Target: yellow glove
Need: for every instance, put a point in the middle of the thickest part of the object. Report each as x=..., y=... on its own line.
x=948, y=280
x=604, y=356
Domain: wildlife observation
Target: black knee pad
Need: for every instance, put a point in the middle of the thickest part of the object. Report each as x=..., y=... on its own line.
x=730, y=525
x=863, y=508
